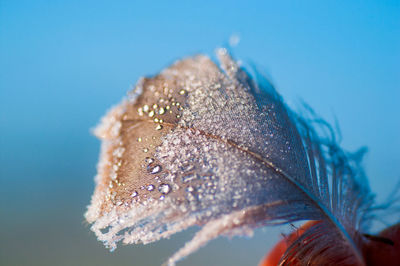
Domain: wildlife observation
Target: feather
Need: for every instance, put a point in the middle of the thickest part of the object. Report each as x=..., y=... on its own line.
x=209, y=146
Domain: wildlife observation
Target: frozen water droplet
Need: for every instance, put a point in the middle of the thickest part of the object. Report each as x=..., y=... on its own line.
x=150, y=187
x=164, y=188
x=187, y=167
x=149, y=160
x=189, y=177
x=113, y=176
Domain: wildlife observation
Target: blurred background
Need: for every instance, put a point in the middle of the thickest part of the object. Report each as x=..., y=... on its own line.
x=64, y=63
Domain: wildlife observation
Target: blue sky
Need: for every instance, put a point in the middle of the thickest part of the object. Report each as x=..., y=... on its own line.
x=64, y=63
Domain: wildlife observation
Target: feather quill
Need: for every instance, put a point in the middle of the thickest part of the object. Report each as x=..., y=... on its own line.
x=203, y=145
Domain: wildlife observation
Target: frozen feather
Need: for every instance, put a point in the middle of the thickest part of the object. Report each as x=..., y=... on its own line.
x=203, y=145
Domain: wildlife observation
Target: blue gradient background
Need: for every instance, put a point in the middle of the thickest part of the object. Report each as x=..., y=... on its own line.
x=64, y=63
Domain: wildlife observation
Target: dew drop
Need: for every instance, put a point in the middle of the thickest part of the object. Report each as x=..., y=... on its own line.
x=145, y=150
x=151, y=113
x=146, y=108
x=134, y=194
x=181, y=92
x=159, y=127
x=139, y=139
x=161, y=111
x=164, y=188
x=150, y=187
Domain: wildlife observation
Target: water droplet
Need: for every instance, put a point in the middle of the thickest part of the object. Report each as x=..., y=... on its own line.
x=161, y=111
x=146, y=108
x=181, y=92
x=134, y=194
x=151, y=113
x=139, y=139
x=145, y=150
x=150, y=187
x=159, y=127
x=164, y=188
x=154, y=170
